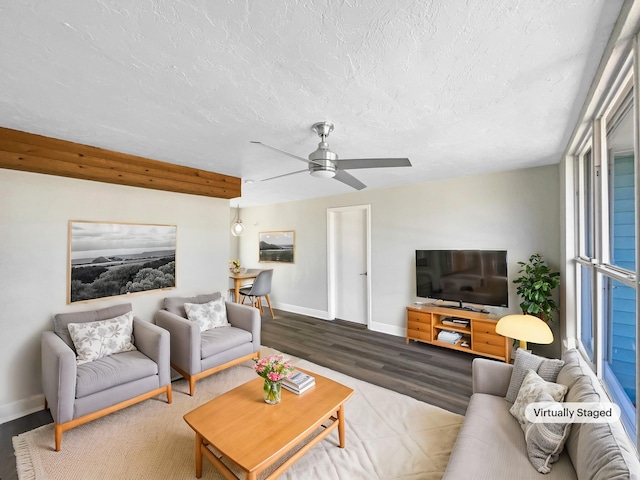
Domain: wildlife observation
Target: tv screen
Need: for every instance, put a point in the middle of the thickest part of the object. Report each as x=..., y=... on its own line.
x=469, y=276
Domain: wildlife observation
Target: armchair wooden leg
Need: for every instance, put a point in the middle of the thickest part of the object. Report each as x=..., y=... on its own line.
x=192, y=385
x=169, y=394
x=58, y=436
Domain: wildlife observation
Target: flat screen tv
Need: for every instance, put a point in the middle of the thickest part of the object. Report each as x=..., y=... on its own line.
x=463, y=276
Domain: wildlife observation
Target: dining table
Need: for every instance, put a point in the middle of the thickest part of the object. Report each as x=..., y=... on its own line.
x=239, y=278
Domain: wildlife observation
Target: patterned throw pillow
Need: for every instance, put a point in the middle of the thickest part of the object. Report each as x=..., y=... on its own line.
x=94, y=340
x=208, y=315
x=532, y=386
x=547, y=368
x=545, y=441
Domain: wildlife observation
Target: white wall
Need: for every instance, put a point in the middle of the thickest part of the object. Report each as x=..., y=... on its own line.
x=34, y=214
x=518, y=211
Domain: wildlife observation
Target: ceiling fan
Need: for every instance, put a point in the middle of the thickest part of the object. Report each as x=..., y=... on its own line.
x=324, y=163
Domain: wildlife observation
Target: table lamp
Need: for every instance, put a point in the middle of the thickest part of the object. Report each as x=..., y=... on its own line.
x=525, y=328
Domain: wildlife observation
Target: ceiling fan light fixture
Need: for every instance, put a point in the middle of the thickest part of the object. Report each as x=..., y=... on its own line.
x=323, y=173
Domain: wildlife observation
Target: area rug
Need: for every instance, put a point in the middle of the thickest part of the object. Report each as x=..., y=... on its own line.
x=388, y=436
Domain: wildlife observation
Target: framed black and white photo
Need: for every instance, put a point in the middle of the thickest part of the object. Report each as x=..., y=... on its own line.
x=111, y=259
x=277, y=246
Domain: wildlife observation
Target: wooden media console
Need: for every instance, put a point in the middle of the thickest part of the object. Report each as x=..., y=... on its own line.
x=425, y=322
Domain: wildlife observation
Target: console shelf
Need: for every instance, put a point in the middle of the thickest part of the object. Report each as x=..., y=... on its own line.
x=424, y=323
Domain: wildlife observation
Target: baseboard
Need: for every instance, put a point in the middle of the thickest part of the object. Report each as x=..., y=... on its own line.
x=388, y=329
x=321, y=314
x=310, y=312
x=11, y=411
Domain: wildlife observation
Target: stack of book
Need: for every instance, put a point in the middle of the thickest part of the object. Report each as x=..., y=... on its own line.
x=298, y=382
x=456, y=322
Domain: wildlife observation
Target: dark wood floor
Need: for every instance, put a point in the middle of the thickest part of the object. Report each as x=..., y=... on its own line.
x=428, y=373
x=431, y=374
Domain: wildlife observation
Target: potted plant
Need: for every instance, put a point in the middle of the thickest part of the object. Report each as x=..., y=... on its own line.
x=535, y=286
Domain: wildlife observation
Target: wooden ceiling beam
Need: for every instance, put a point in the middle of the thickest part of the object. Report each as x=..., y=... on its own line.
x=35, y=153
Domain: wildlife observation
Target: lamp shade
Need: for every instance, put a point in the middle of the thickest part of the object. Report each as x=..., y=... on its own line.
x=525, y=328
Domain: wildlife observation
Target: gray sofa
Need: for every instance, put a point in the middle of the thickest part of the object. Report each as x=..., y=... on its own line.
x=77, y=394
x=196, y=354
x=491, y=443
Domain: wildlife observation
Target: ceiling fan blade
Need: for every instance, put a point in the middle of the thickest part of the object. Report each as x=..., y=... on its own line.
x=353, y=163
x=285, y=175
x=349, y=179
x=282, y=151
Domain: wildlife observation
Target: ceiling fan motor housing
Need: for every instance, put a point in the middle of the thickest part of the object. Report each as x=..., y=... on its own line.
x=323, y=161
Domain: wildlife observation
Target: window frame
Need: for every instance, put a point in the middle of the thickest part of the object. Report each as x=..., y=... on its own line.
x=600, y=264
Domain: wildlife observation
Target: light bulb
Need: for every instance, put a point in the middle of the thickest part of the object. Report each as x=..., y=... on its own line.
x=237, y=228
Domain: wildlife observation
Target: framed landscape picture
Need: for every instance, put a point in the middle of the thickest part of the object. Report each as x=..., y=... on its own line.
x=277, y=246
x=111, y=259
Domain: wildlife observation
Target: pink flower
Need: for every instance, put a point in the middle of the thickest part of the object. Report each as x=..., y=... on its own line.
x=273, y=367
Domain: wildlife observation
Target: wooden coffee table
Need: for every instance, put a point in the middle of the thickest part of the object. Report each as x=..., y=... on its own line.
x=255, y=435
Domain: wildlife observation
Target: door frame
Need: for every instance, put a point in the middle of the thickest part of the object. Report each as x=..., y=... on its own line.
x=331, y=257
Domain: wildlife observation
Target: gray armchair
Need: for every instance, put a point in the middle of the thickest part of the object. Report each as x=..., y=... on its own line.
x=196, y=354
x=77, y=394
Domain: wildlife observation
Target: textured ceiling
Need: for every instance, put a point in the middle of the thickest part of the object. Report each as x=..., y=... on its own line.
x=459, y=87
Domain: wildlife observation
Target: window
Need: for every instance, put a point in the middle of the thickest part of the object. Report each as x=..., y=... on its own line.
x=606, y=274
x=619, y=343
x=585, y=202
x=622, y=189
x=586, y=310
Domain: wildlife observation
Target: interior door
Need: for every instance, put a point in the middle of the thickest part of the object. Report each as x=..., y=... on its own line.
x=350, y=259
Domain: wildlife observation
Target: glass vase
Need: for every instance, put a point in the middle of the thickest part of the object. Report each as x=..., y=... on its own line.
x=272, y=391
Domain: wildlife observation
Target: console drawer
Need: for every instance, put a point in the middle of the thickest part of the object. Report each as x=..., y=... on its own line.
x=423, y=327
x=484, y=327
x=485, y=338
x=419, y=317
x=490, y=349
x=419, y=335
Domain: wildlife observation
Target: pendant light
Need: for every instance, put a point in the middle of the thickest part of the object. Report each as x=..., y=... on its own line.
x=237, y=228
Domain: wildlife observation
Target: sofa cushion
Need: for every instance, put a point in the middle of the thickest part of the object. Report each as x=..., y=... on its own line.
x=208, y=315
x=598, y=450
x=94, y=340
x=605, y=453
x=222, y=339
x=545, y=441
x=491, y=445
x=111, y=371
x=547, y=368
x=575, y=376
x=175, y=305
x=532, y=386
x=62, y=320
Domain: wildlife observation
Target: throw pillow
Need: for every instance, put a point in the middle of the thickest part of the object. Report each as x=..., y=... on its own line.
x=94, y=340
x=547, y=368
x=208, y=315
x=545, y=441
x=532, y=386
